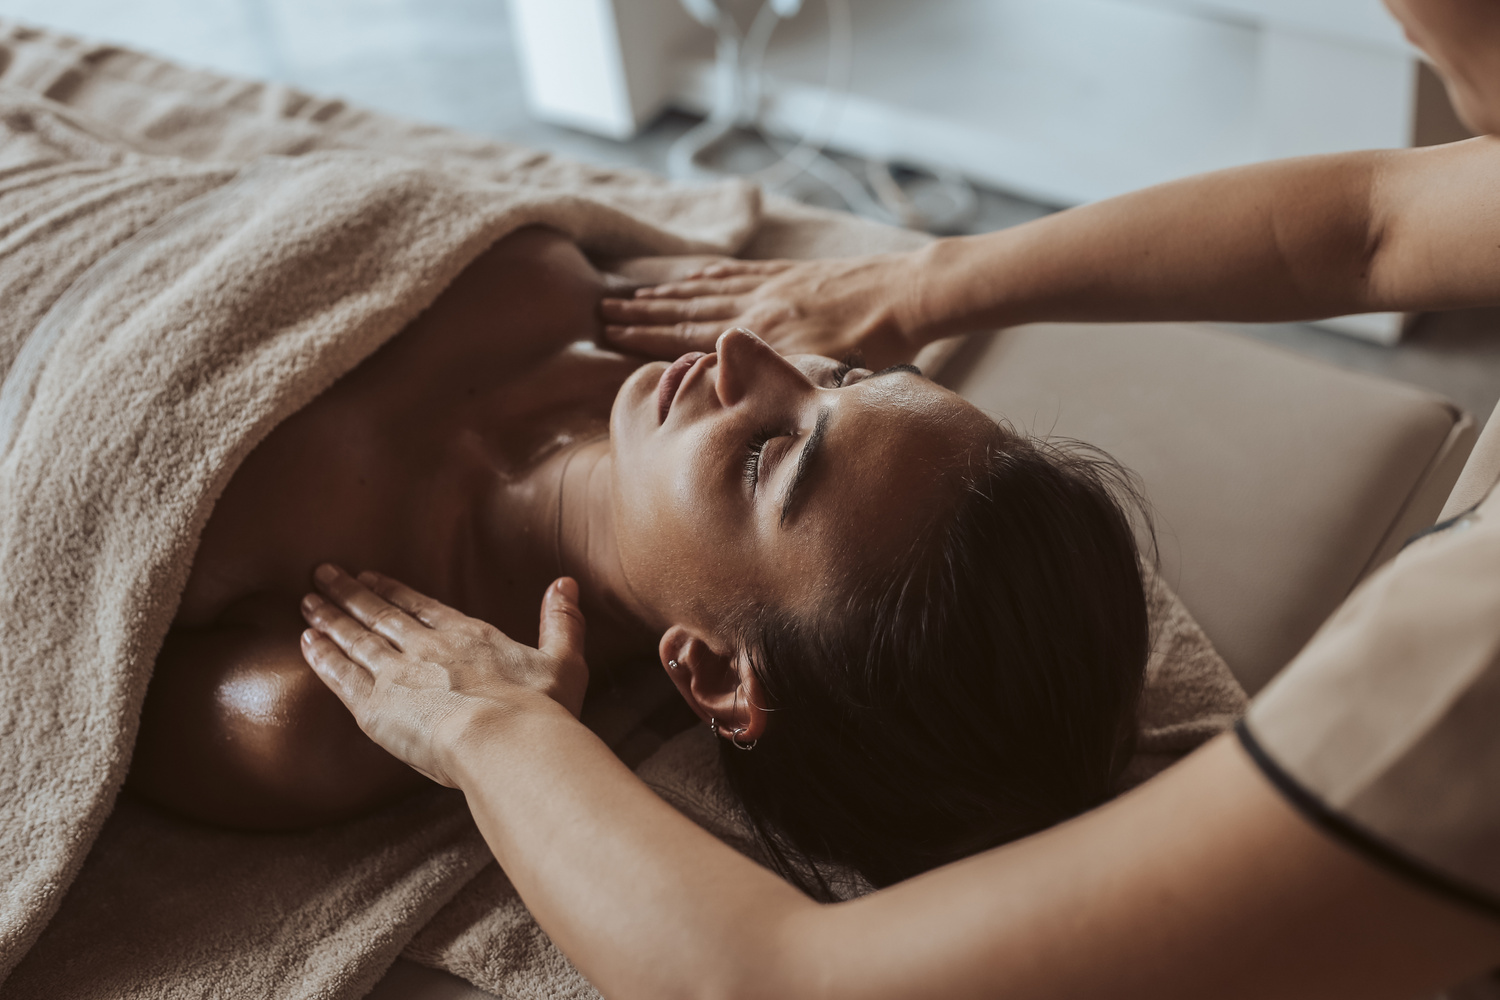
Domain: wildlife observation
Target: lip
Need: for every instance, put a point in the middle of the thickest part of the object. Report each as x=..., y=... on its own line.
x=671, y=381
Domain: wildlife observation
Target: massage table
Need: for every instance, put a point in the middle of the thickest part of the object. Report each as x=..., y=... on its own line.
x=1276, y=482
x=1289, y=483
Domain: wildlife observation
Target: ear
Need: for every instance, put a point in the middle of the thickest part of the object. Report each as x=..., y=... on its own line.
x=719, y=686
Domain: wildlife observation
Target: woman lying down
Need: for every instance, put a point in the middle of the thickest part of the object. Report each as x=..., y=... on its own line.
x=912, y=703
x=828, y=561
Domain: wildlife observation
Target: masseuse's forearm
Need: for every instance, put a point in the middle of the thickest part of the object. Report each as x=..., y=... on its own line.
x=1234, y=895
x=1276, y=241
x=645, y=902
x=1399, y=230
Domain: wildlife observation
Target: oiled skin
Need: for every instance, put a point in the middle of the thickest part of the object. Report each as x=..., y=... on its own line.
x=410, y=465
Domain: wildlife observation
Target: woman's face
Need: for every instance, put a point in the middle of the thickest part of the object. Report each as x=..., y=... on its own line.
x=744, y=478
x=1462, y=38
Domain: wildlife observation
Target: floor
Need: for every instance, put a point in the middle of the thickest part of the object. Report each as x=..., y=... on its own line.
x=451, y=61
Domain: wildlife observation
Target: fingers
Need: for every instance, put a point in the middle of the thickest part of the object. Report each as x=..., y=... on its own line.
x=731, y=268
x=562, y=625
x=665, y=312
x=345, y=678
x=702, y=287
x=353, y=639
x=369, y=608
x=666, y=342
x=433, y=614
x=561, y=641
x=668, y=328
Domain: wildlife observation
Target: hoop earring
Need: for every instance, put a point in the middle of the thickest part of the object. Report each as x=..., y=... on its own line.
x=734, y=737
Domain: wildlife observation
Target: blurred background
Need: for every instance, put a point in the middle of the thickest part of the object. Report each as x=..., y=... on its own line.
x=951, y=115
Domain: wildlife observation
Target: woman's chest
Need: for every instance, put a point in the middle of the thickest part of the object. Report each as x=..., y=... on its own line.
x=414, y=492
x=395, y=466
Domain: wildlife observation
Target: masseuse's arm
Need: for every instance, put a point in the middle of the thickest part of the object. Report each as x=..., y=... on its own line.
x=1201, y=883
x=1293, y=239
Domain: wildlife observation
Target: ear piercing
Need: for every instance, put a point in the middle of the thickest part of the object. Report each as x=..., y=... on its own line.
x=734, y=735
x=713, y=723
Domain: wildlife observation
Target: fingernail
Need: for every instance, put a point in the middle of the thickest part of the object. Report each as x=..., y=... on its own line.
x=568, y=588
x=326, y=573
x=367, y=578
x=309, y=636
x=311, y=603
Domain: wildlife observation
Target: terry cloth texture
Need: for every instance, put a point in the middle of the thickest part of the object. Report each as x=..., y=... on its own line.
x=162, y=316
x=185, y=260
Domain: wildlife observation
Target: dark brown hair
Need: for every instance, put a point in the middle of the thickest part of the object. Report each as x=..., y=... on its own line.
x=983, y=690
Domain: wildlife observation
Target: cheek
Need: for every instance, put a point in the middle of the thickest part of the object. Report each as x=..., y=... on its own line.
x=665, y=482
x=672, y=520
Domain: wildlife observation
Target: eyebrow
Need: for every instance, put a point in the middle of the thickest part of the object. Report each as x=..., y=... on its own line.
x=815, y=443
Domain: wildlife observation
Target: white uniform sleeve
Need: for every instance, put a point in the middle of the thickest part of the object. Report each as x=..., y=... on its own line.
x=1386, y=728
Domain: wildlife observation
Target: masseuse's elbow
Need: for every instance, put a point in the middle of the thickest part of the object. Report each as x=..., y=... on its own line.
x=777, y=948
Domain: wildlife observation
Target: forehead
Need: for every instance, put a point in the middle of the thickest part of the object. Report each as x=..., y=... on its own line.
x=886, y=471
x=900, y=428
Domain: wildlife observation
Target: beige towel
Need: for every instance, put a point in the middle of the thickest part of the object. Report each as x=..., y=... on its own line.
x=131, y=392
x=161, y=318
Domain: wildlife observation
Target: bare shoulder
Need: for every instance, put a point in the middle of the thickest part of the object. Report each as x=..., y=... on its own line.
x=237, y=730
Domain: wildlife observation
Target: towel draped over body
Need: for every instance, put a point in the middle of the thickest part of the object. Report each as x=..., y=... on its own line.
x=185, y=261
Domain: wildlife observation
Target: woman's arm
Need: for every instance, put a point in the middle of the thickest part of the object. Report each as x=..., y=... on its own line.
x=1292, y=239
x=1202, y=882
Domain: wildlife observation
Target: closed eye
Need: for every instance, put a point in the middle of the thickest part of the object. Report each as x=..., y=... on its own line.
x=854, y=364
x=757, y=447
x=851, y=365
x=753, y=454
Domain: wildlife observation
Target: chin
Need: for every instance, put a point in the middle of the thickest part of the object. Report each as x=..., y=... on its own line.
x=633, y=413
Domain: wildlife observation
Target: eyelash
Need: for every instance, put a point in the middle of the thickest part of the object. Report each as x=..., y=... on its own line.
x=752, y=461
x=765, y=435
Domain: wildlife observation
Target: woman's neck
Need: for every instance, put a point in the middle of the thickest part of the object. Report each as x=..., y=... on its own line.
x=569, y=524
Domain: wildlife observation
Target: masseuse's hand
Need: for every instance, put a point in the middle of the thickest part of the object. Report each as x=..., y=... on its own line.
x=422, y=679
x=839, y=307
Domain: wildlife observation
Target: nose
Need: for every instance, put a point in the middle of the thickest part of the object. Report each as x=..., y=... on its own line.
x=748, y=364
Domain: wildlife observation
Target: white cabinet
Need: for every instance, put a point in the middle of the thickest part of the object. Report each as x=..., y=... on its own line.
x=1063, y=101
x=603, y=66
